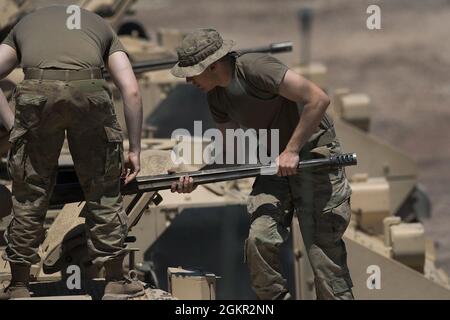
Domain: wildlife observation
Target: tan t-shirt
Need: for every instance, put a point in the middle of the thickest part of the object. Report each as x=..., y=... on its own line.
x=252, y=99
x=43, y=40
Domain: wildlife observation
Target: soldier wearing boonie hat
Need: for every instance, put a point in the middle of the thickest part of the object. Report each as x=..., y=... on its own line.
x=199, y=50
x=257, y=91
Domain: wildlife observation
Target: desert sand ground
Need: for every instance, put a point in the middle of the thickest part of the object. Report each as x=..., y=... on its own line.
x=403, y=67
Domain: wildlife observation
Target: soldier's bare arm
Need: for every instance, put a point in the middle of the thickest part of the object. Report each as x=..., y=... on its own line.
x=8, y=61
x=296, y=88
x=123, y=76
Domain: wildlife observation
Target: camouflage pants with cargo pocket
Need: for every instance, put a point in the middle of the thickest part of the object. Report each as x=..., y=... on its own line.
x=320, y=199
x=46, y=112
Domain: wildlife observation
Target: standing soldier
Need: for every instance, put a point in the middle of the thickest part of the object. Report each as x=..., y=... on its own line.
x=257, y=91
x=64, y=93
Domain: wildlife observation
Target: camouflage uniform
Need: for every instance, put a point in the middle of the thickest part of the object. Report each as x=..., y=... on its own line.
x=45, y=110
x=321, y=202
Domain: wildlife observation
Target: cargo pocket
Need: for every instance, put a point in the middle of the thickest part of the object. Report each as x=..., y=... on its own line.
x=340, y=286
x=331, y=224
x=114, y=152
x=328, y=185
x=325, y=152
x=17, y=155
x=101, y=102
x=340, y=219
x=342, y=215
x=29, y=109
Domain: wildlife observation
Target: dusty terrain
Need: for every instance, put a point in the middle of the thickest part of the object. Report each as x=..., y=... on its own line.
x=402, y=67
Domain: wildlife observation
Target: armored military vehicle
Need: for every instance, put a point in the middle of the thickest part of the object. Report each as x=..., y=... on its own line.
x=389, y=256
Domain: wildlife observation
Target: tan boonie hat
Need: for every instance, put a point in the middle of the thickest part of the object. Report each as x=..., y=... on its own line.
x=199, y=50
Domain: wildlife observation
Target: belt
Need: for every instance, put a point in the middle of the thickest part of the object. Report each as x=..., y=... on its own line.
x=62, y=75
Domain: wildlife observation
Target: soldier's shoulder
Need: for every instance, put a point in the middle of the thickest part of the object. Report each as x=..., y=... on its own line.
x=93, y=16
x=247, y=59
x=57, y=10
x=35, y=17
x=49, y=10
x=253, y=64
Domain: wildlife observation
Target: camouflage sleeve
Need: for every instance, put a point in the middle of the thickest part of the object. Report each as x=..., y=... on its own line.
x=266, y=73
x=219, y=114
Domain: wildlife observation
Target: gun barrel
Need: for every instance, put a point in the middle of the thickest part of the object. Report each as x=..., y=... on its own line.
x=163, y=64
x=153, y=65
x=71, y=192
x=278, y=47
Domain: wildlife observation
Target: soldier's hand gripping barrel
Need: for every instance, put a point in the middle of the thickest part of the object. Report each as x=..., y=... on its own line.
x=71, y=192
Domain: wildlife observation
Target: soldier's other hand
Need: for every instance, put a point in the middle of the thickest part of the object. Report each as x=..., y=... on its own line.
x=287, y=163
x=132, y=167
x=184, y=185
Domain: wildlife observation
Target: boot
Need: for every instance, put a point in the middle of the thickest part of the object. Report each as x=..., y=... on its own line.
x=18, y=288
x=119, y=287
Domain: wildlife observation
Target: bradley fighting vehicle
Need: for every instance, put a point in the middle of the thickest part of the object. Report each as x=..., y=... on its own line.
x=389, y=256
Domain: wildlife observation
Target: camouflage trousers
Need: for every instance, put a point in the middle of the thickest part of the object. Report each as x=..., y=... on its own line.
x=46, y=112
x=321, y=202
